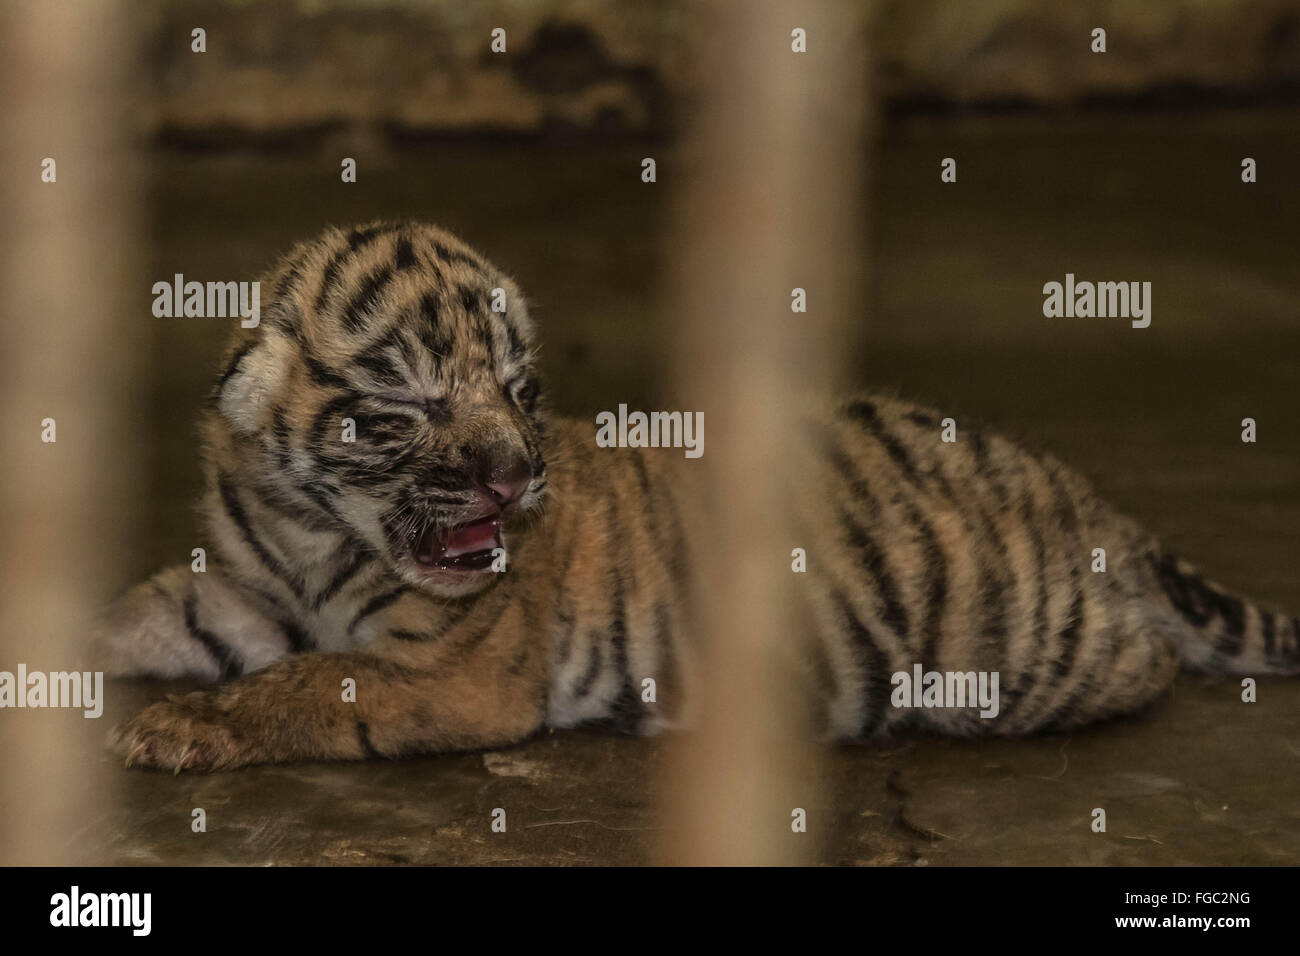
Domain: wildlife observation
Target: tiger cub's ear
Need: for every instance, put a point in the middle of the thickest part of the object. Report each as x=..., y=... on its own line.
x=247, y=392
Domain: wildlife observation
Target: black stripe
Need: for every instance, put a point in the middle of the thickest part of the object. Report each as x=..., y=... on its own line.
x=518, y=662
x=988, y=470
x=996, y=578
x=405, y=255
x=319, y=494
x=647, y=504
x=273, y=497
x=626, y=708
x=1062, y=500
x=992, y=574
x=844, y=467
x=285, y=318
x=668, y=684
x=358, y=309
x=564, y=612
x=921, y=418
x=483, y=330
x=363, y=737
x=642, y=477
x=936, y=585
x=1021, y=690
x=357, y=239
x=1067, y=648
x=325, y=417
x=377, y=603
x=329, y=276
x=432, y=335
x=993, y=587
x=231, y=663
x=564, y=630
x=471, y=302
x=981, y=451
x=280, y=431
x=359, y=559
x=288, y=280
x=375, y=357
x=449, y=256
x=1061, y=716
x=871, y=557
x=273, y=602
x=363, y=237
x=235, y=511
x=484, y=631
x=299, y=640
x=515, y=347
x=459, y=611
x=1200, y=603
x=1068, y=637
x=381, y=368
x=871, y=661
x=1233, y=636
x=358, y=468
x=323, y=375
x=232, y=367
x=865, y=412
x=503, y=595
x=387, y=427
x=594, y=661
x=1068, y=634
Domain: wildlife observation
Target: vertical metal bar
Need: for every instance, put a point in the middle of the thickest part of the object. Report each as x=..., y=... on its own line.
x=774, y=204
x=66, y=248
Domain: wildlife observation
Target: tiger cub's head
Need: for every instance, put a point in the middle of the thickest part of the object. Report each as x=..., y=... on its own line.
x=389, y=392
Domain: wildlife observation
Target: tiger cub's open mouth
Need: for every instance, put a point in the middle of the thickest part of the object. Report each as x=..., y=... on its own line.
x=465, y=547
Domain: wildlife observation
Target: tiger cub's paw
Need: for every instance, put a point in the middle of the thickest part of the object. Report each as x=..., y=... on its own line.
x=181, y=733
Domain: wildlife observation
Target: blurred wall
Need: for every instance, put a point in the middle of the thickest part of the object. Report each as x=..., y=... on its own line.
x=292, y=72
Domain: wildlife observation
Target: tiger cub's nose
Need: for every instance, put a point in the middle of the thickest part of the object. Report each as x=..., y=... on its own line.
x=507, y=479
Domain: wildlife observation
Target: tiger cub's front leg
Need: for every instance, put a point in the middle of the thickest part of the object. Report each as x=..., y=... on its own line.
x=477, y=682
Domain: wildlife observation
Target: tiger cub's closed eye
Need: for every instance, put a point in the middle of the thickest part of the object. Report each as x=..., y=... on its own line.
x=434, y=408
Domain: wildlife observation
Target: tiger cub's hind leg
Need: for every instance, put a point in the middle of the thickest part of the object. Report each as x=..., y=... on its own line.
x=183, y=624
x=1119, y=667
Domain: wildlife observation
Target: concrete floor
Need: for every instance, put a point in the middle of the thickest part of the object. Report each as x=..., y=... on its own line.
x=1201, y=779
x=955, y=319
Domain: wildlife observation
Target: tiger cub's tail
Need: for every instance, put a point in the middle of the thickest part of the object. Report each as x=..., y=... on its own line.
x=1226, y=634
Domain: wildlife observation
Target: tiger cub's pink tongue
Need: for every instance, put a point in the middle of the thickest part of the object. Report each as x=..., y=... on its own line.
x=480, y=536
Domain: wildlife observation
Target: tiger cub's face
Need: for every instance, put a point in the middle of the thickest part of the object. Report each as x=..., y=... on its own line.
x=389, y=391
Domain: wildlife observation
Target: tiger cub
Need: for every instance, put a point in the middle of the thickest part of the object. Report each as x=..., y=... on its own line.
x=376, y=563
